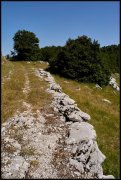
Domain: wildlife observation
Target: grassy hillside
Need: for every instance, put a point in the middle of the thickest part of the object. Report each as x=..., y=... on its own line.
x=104, y=116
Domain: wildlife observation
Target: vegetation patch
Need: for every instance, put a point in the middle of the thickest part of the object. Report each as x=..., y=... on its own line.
x=27, y=151
x=80, y=59
x=34, y=163
x=12, y=91
x=37, y=96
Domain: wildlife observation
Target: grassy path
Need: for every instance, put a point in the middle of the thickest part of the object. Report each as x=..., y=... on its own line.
x=14, y=88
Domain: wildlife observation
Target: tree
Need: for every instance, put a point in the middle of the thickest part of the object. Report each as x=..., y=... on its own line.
x=110, y=56
x=80, y=60
x=49, y=52
x=26, y=45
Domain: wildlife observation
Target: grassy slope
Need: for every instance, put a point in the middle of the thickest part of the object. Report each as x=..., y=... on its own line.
x=104, y=117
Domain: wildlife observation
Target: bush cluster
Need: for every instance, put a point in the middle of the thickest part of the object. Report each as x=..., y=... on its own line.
x=80, y=59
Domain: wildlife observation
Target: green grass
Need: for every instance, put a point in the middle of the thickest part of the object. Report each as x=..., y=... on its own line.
x=104, y=117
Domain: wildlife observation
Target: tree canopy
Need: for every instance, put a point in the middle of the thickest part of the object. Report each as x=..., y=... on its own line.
x=49, y=52
x=26, y=45
x=110, y=56
x=80, y=59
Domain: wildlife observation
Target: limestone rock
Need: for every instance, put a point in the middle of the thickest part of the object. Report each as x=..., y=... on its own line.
x=75, y=116
x=17, y=168
x=97, y=86
x=107, y=177
x=113, y=83
x=55, y=87
x=77, y=165
x=81, y=131
x=85, y=116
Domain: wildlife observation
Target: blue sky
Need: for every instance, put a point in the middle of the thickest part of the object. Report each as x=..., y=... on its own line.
x=55, y=22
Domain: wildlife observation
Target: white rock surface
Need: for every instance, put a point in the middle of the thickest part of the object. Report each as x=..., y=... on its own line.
x=77, y=165
x=80, y=132
x=33, y=146
x=17, y=168
x=107, y=177
x=98, y=87
x=65, y=105
x=113, y=83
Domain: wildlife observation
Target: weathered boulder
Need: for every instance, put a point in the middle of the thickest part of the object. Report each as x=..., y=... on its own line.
x=80, y=132
x=77, y=165
x=86, y=154
x=55, y=87
x=84, y=115
x=113, y=83
x=75, y=116
x=98, y=87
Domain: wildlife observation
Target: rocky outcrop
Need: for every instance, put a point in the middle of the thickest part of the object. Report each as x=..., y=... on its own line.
x=114, y=84
x=62, y=102
x=81, y=142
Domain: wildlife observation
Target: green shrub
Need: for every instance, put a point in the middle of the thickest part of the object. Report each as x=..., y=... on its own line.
x=110, y=56
x=49, y=52
x=80, y=59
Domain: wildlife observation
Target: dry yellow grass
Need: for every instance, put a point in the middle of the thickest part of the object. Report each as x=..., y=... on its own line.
x=12, y=91
x=37, y=96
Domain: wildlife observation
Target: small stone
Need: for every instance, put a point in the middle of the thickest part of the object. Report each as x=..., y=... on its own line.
x=77, y=173
x=108, y=177
x=97, y=86
x=106, y=100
